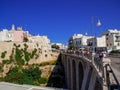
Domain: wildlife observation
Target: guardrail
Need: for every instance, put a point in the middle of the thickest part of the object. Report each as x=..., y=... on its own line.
x=111, y=86
x=99, y=64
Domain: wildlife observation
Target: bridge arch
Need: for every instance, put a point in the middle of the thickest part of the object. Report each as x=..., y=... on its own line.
x=74, y=74
x=98, y=85
x=89, y=77
x=69, y=73
x=80, y=74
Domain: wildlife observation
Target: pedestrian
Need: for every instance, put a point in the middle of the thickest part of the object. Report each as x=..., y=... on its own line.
x=100, y=55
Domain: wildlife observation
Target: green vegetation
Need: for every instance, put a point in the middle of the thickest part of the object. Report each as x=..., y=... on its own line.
x=48, y=63
x=33, y=53
x=43, y=80
x=71, y=47
x=1, y=68
x=55, y=46
x=3, y=54
x=20, y=72
x=25, y=76
x=115, y=51
x=6, y=62
x=25, y=39
x=21, y=56
x=18, y=56
x=18, y=59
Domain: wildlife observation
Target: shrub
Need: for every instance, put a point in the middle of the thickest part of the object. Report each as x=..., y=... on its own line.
x=6, y=61
x=115, y=51
x=48, y=63
x=43, y=80
x=3, y=54
x=1, y=68
x=25, y=39
x=44, y=63
x=54, y=62
x=26, y=76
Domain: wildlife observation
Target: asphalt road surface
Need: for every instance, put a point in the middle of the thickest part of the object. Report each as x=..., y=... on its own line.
x=115, y=64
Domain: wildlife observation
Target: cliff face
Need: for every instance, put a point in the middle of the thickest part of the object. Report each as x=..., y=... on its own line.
x=57, y=76
x=52, y=71
x=43, y=54
x=21, y=55
x=54, y=74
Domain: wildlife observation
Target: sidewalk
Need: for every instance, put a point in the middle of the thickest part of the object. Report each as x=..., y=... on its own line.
x=105, y=61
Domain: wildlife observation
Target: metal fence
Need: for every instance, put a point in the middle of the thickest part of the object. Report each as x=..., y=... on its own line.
x=110, y=74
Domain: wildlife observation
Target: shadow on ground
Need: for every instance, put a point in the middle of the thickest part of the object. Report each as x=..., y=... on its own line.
x=57, y=77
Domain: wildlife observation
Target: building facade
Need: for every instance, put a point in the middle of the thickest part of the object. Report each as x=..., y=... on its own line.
x=79, y=40
x=41, y=43
x=13, y=35
x=112, y=39
x=97, y=41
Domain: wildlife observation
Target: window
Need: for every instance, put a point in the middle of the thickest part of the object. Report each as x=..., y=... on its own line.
x=116, y=37
x=118, y=44
x=107, y=44
x=45, y=55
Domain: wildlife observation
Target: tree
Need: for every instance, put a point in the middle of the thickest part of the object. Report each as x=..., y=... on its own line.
x=3, y=54
x=72, y=47
x=26, y=76
x=25, y=39
x=55, y=46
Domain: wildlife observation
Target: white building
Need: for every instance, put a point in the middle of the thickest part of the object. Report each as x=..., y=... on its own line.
x=112, y=39
x=40, y=42
x=97, y=41
x=79, y=40
x=6, y=35
x=13, y=35
x=61, y=46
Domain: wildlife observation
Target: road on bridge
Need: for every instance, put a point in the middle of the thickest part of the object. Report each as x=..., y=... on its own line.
x=115, y=64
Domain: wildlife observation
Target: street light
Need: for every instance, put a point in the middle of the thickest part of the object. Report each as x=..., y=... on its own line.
x=97, y=24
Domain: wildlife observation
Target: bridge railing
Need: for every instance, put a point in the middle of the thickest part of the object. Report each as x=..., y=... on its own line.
x=110, y=74
x=98, y=62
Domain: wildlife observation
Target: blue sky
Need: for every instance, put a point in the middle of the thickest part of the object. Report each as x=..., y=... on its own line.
x=60, y=19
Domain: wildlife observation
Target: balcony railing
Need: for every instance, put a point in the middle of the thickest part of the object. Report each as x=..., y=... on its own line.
x=117, y=40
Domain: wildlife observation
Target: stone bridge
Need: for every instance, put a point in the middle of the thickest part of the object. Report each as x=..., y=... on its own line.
x=81, y=73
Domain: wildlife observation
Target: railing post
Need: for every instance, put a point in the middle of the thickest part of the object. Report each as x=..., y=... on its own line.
x=93, y=57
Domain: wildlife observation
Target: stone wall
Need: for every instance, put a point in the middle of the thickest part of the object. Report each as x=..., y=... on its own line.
x=44, y=54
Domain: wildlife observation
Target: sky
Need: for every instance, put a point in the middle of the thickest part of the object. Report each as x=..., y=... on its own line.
x=60, y=19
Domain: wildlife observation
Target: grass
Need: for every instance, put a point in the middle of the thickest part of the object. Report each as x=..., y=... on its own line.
x=53, y=62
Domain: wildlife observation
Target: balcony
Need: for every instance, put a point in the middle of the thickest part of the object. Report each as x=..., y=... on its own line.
x=117, y=35
x=117, y=40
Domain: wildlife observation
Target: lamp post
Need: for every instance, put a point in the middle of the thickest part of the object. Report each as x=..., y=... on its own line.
x=98, y=24
x=93, y=41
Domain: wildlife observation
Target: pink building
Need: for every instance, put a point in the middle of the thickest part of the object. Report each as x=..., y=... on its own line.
x=18, y=36
x=13, y=35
